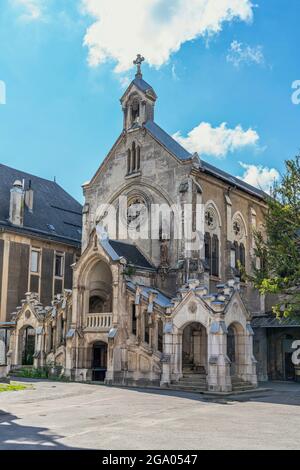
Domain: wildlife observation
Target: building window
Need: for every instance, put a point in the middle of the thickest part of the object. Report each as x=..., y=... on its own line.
x=212, y=240
x=59, y=265
x=242, y=255
x=160, y=330
x=35, y=261
x=146, y=328
x=133, y=319
x=211, y=244
x=207, y=245
x=62, y=331
x=128, y=162
x=238, y=250
x=133, y=159
x=51, y=338
x=135, y=111
x=215, y=256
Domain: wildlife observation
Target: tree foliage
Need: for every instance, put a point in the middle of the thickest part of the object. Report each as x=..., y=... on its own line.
x=279, y=250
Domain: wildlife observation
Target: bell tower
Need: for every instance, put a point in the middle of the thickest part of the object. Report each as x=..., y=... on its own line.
x=139, y=99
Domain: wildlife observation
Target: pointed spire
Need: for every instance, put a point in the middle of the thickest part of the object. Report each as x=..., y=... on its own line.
x=138, y=62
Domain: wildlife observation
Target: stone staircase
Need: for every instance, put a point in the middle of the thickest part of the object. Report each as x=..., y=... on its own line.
x=239, y=385
x=193, y=380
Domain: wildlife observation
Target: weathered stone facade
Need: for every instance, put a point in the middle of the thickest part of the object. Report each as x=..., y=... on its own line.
x=152, y=311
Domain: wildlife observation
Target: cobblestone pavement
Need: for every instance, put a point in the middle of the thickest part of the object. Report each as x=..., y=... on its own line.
x=55, y=415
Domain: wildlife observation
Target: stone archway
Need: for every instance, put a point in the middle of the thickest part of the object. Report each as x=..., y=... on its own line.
x=27, y=337
x=236, y=348
x=99, y=361
x=99, y=285
x=194, y=348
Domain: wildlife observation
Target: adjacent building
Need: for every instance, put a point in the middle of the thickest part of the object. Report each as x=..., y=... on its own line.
x=40, y=238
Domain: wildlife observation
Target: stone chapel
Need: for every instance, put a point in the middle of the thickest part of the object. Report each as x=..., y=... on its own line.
x=149, y=312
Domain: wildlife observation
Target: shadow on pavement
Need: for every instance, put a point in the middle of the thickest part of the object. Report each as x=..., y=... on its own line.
x=14, y=436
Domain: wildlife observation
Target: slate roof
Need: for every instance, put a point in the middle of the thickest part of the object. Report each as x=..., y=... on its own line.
x=167, y=141
x=161, y=299
x=208, y=168
x=52, y=205
x=182, y=154
x=142, y=85
x=131, y=253
x=271, y=321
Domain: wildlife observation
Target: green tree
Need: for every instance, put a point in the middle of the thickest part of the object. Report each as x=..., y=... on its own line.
x=279, y=250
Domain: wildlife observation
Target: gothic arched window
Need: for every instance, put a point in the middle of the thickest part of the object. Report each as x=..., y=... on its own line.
x=238, y=249
x=212, y=240
x=138, y=158
x=128, y=161
x=133, y=319
x=215, y=256
x=135, y=111
x=207, y=245
x=133, y=159
x=146, y=328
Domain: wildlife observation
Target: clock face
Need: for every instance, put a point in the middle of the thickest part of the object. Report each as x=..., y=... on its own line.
x=137, y=212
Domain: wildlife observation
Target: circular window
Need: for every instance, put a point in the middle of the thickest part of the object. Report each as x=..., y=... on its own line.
x=137, y=212
x=237, y=227
x=210, y=219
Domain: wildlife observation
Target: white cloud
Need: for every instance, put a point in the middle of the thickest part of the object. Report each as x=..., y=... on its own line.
x=217, y=141
x=155, y=28
x=32, y=9
x=240, y=53
x=259, y=176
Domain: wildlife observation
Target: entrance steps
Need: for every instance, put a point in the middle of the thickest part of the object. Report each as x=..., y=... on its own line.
x=193, y=380
x=18, y=371
x=197, y=382
x=239, y=385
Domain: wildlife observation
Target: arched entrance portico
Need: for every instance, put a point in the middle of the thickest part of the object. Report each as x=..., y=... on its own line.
x=99, y=361
x=27, y=346
x=236, y=349
x=194, y=348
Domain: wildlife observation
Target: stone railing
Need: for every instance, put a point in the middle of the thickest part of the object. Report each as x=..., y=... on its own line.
x=99, y=321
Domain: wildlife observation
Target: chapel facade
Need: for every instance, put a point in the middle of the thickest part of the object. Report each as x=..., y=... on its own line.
x=155, y=311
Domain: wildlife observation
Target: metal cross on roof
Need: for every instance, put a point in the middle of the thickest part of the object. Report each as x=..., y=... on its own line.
x=138, y=62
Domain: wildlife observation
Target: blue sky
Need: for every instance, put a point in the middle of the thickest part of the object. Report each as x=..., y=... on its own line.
x=226, y=62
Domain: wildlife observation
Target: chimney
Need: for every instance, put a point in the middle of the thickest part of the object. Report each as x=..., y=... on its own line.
x=29, y=197
x=16, y=207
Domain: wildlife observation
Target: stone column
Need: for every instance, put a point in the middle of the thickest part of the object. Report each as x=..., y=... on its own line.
x=219, y=379
x=176, y=365
x=248, y=369
x=167, y=355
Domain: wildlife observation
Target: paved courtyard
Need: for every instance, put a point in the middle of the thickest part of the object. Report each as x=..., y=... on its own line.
x=56, y=415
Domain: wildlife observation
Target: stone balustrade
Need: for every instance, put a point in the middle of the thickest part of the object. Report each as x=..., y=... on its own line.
x=99, y=321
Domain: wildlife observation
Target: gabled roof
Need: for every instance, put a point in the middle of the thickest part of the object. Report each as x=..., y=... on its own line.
x=182, y=154
x=232, y=180
x=167, y=141
x=52, y=206
x=142, y=86
x=160, y=299
x=118, y=249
